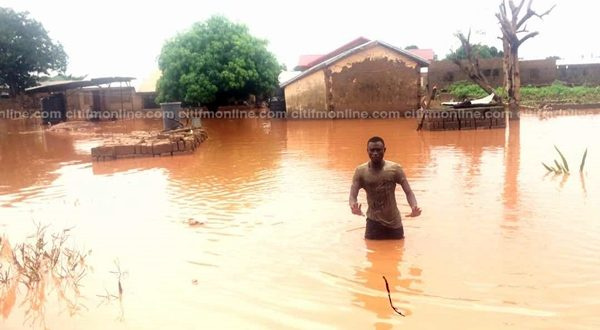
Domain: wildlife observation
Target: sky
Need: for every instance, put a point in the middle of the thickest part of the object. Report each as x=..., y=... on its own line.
x=124, y=37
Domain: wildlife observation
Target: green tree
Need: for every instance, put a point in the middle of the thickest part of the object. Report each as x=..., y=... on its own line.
x=479, y=50
x=26, y=51
x=411, y=47
x=61, y=77
x=215, y=62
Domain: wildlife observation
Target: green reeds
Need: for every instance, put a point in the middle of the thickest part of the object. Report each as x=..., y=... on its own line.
x=583, y=161
x=565, y=164
x=564, y=167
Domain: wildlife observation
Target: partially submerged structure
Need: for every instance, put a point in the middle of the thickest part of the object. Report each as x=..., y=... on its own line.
x=151, y=144
x=482, y=113
x=85, y=99
x=373, y=76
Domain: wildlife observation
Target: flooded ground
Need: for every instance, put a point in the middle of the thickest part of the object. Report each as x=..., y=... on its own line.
x=500, y=243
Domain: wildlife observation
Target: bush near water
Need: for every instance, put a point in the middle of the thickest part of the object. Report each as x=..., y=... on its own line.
x=558, y=92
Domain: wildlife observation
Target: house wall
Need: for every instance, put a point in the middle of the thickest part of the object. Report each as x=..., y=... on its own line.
x=537, y=72
x=375, y=79
x=306, y=94
x=79, y=101
x=580, y=74
x=112, y=98
x=20, y=103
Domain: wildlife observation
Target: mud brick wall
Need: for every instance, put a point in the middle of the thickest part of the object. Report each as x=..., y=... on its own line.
x=373, y=79
x=533, y=72
x=163, y=144
x=464, y=119
x=580, y=74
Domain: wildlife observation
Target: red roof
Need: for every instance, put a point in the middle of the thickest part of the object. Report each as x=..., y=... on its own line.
x=306, y=59
x=426, y=54
x=354, y=43
x=419, y=60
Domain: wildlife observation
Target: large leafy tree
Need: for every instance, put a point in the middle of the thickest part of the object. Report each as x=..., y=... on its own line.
x=216, y=61
x=479, y=50
x=26, y=51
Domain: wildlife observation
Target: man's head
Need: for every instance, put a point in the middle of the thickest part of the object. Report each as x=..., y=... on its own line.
x=376, y=149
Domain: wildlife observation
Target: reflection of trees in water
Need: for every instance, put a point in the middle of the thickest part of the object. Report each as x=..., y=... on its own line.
x=470, y=143
x=30, y=157
x=343, y=143
x=512, y=160
x=385, y=259
x=41, y=266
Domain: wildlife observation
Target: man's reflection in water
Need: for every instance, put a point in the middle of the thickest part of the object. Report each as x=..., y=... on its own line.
x=384, y=259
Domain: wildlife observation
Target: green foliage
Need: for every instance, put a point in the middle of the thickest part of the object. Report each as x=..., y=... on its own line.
x=26, y=51
x=411, y=47
x=558, y=92
x=550, y=169
x=479, y=50
x=565, y=164
x=61, y=77
x=466, y=90
x=583, y=161
x=564, y=168
x=215, y=62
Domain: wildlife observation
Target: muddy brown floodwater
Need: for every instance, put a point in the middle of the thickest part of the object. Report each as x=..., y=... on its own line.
x=254, y=230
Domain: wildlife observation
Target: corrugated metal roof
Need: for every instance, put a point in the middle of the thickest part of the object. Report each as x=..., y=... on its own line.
x=61, y=86
x=366, y=45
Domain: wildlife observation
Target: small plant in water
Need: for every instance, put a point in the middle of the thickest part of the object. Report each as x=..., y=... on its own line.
x=41, y=264
x=564, y=167
x=109, y=297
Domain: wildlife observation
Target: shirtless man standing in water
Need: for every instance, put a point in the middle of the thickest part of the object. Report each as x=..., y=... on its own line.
x=379, y=178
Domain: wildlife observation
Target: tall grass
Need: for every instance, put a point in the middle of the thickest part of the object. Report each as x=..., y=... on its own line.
x=35, y=268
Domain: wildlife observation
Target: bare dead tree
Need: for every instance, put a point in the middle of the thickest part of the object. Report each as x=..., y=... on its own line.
x=470, y=66
x=426, y=104
x=514, y=34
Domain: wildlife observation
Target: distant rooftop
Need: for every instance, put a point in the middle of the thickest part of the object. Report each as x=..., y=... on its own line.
x=427, y=54
x=308, y=61
x=63, y=85
x=304, y=60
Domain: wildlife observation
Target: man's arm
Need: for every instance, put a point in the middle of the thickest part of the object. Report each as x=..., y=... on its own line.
x=410, y=196
x=352, y=200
